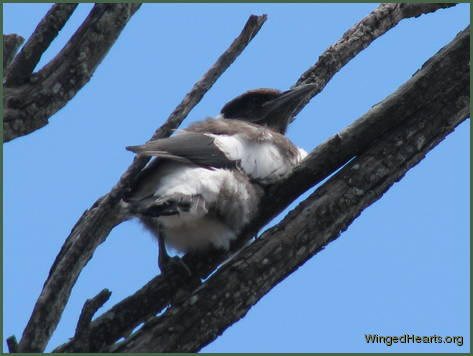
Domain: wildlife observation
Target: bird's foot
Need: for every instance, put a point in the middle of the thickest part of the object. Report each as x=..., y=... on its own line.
x=174, y=265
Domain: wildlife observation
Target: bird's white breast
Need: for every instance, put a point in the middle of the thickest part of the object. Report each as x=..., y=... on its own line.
x=260, y=160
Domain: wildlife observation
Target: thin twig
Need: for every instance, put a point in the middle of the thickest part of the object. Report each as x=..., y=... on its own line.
x=46, y=31
x=356, y=39
x=249, y=31
x=97, y=222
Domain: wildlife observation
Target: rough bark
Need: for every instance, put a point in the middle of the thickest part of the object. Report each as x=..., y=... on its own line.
x=82, y=334
x=11, y=43
x=162, y=291
x=97, y=222
x=424, y=91
x=357, y=38
x=30, y=99
x=25, y=62
x=194, y=321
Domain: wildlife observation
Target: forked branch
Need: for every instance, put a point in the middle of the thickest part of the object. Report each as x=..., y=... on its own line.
x=97, y=222
x=226, y=296
x=326, y=158
x=31, y=99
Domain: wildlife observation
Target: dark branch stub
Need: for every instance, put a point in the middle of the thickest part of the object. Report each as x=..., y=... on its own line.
x=11, y=43
x=89, y=309
x=12, y=344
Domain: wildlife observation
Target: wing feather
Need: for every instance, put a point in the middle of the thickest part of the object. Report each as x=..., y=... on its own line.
x=188, y=147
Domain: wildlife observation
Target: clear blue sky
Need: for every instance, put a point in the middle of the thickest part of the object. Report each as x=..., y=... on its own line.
x=401, y=267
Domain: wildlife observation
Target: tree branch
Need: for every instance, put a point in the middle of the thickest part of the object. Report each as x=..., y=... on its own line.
x=356, y=39
x=326, y=158
x=227, y=296
x=90, y=307
x=339, y=149
x=11, y=43
x=29, y=56
x=28, y=106
x=251, y=28
x=160, y=292
x=97, y=222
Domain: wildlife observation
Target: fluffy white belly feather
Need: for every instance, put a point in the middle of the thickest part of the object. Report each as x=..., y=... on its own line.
x=186, y=232
x=223, y=200
x=196, y=229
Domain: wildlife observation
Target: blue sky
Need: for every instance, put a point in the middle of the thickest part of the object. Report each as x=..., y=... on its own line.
x=401, y=267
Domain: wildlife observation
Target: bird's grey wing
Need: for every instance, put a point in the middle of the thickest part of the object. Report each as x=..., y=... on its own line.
x=196, y=148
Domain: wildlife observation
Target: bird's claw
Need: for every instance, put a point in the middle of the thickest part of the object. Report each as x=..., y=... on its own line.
x=174, y=265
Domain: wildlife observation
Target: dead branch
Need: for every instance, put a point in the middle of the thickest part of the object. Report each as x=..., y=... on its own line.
x=20, y=70
x=357, y=38
x=227, y=296
x=161, y=291
x=383, y=117
x=97, y=222
x=249, y=31
x=31, y=99
x=82, y=334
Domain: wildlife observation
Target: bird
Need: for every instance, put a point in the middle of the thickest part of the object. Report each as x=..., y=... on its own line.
x=205, y=182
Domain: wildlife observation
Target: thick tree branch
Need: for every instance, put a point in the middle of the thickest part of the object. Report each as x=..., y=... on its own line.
x=423, y=92
x=29, y=56
x=31, y=100
x=97, y=222
x=450, y=64
x=11, y=43
x=227, y=296
x=356, y=39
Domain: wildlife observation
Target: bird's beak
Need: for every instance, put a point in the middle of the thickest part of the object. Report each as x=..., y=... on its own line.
x=280, y=110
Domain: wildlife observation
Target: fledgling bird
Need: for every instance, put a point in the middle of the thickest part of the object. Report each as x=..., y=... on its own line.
x=205, y=182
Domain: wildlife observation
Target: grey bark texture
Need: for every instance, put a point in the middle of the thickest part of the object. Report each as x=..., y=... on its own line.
x=20, y=70
x=384, y=144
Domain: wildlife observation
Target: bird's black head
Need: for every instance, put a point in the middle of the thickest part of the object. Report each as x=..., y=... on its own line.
x=267, y=107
